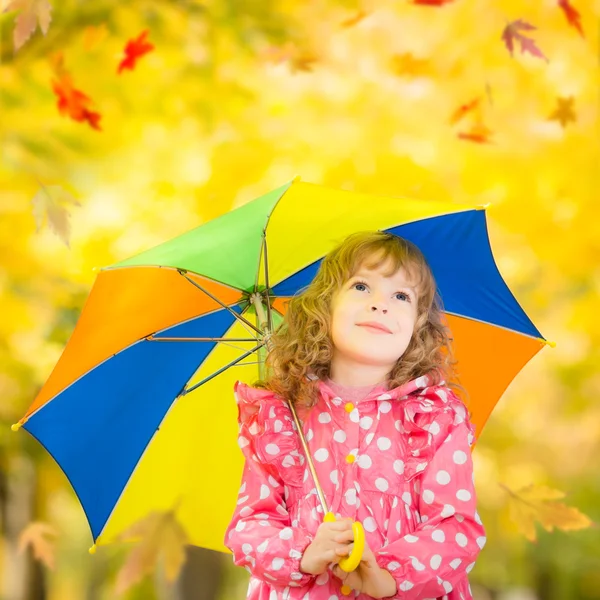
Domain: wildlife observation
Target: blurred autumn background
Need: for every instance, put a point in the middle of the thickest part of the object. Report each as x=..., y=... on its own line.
x=125, y=124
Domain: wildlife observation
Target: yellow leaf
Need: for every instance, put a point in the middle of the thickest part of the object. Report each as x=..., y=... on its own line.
x=33, y=12
x=93, y=35
x=49, y=204
x=159, y=535
x=33, y=535
x=538, y=503
x=564, y=111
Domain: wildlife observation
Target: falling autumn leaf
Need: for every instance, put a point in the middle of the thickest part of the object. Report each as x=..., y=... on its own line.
x=357, y=18
x=478, y=133
x=135, y=49
x=74, y=103
x=160, y=535
x=32, y=13
x=93, y=35
x=464, y=109
x=573, y=16
x=564, y=111
x=35, y=535
x=511, y=33
x=49, y=204
x=297, y=58
x=407, y=64
x=538, y=503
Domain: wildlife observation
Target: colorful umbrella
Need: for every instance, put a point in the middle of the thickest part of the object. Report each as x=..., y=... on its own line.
x=139, y=411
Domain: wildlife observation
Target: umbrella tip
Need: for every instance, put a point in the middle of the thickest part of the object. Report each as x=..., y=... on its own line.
x=551, y=344
x=296, y=179
x=484, y=206
x=16, y=426
x=92, y=550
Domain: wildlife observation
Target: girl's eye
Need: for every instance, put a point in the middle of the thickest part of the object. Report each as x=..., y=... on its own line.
x=364, y=285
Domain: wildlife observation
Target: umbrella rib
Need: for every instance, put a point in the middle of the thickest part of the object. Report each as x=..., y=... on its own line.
x=224, y=368
x=239, y=317
x=198, y=339
x=269, y=317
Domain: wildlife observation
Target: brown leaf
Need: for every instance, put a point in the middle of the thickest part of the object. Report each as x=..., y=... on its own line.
x=35, y=535
x=33, y=13
x=564, y=111
x=573, y=16
x=511, y=33
x=49, y=203
x=159, y=535
x=538, y=503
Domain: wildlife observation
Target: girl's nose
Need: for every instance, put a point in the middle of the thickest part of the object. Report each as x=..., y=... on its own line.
x=379, y=306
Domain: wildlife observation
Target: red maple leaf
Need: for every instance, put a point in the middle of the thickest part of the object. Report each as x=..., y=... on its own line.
x=134, y=49
x=73, y=102
x=432, y=2
x=572, y=15
x=511, y=33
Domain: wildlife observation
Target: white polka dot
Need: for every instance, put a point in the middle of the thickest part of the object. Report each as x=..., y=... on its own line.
x=277, y=564
x=428, y=496
x=288, y=461
x=384, y=406
x=481, y=541
x=447, y=586
x=324, y=417
x=470, y=567
x=421, y=467
x=322, y=579
x=461, y=539
x=246, y=548
x=354, y=416
x=286, y=533
x=274, y=483
x=272, y=449
x=339, y=436
x=406, y=585
x=334, y=476
x=398, y=526
x=448, y=510
x=253, y=429
x=434, y=428
x=393, y=565
x=265, y=492
x=407, y=498
x=443, y=477
x=435, y=561
x=438, y=536
x=364, y=461
x=384, y=443
x=478, y=518
x=384, y=397
x=242, y=441
x=463, y=495
x=245, y=511
x=263, y=546
x=277, y=426
x=455, y=563
x=350, y=496
x=459, y=457
x=321, y=454
x=411, y=538
x=399, y=466
x=366, y=422
x=309, y=435
x=382, y=484
x=369, y=524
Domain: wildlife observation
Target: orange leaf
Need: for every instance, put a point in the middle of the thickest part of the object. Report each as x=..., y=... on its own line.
x=34, y=535
x=573, y=17
x=564, y=111
x=537, y=503
x=33, y=13
x=135, y=49
x=73, y=102
x=462, y=110
x=357, y=18
x=407, y=64
x=49, y=204
x=511, y=33
x=478, y=133
x=161, y=535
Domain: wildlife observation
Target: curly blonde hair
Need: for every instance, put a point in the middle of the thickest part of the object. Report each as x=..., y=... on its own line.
x=302, y=349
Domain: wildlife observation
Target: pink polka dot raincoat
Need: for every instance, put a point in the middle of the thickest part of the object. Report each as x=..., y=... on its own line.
x=398, y=461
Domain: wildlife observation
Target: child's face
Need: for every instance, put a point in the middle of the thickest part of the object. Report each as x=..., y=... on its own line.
x=370, y=296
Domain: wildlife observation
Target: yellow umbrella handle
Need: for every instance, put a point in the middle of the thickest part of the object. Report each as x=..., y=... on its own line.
x=349, y=563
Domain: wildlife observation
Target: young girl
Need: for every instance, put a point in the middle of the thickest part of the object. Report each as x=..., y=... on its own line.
x=364, y=356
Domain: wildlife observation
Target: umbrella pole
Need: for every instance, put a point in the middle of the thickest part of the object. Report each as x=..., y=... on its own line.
x=263, y=324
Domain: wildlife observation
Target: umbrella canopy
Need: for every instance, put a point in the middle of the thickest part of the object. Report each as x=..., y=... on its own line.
x=139, y=410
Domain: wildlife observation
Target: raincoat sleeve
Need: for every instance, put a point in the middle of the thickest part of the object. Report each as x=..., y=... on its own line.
x=429, y=562
x=260, y=535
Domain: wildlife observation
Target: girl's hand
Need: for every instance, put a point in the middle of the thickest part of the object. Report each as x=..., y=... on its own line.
x=368, y=578
x=330, y=545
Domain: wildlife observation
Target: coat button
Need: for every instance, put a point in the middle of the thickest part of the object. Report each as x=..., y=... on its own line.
x=349, y=407
x=350, y=458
